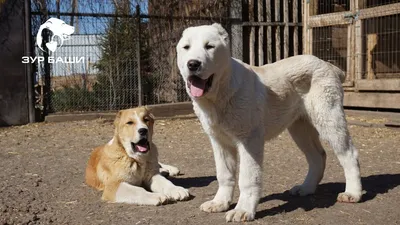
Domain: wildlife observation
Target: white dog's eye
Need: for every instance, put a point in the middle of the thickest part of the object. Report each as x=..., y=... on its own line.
x=208, y=46
x=186, y=47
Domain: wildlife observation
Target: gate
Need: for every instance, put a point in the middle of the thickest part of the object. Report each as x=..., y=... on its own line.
x=360, y=37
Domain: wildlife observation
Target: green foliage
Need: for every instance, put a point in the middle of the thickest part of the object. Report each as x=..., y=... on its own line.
x=73, y=98
x=116, y=84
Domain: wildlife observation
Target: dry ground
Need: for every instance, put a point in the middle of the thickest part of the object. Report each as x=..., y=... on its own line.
x=42, y=174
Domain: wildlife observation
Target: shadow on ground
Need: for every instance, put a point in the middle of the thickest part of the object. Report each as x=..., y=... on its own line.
x=193, y=181
x=326, y=194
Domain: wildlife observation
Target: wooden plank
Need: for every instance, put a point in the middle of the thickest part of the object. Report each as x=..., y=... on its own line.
x=282, y=24
x=313, y=10
x=307, y=32
x=372, y=100
x=384, y=10
x=269, y=31
x=296, y=29
x=358, y=48
x=277, y=30
x=260, y=33
x=349, y=53
x=372, y=40
x=286, y=29
x=378, y=85
x=348, y=83
x=252, y=34
x=330, y=19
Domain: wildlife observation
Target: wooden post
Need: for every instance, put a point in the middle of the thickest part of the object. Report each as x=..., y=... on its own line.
x=286, y=29
x=260, y=34
x=349, y=52
x=269, y=31
x=252, y=34
x=296, y=29
x=372, y=40
x=358, y=45
x=278, y=30
x=236, y=29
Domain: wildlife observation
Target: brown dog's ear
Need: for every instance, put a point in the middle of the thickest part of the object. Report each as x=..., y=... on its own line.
x=117, y=118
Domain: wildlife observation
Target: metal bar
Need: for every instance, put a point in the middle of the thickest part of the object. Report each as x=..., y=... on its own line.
x=138, y=56
x=277, y=31
x=269, y=31
x=252, y=34
x=143, y=16
x=296, y=29
x=28, y=66
x=260, y=18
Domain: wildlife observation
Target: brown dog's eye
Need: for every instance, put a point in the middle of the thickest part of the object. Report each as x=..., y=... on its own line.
x=146, y=119
x=130, y=123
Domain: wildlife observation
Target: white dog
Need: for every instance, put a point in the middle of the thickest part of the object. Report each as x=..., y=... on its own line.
x=59, y=28
x=242, y=106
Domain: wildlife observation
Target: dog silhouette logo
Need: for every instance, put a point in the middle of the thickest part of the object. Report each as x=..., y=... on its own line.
x=60, y=30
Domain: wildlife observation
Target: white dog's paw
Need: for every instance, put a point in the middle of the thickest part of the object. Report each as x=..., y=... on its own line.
x=301, y=190
x=348, y=197
x=177, y=193
x=214, y=206
x=168, y=170
x=173, y=171
x=238, y=215
x=158, y=199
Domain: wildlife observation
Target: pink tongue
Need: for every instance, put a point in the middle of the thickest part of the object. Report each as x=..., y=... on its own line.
x=197, y=86
x=141, y=148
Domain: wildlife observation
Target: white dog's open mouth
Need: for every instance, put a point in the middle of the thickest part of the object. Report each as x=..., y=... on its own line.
x=142, y=146
x=198, y=87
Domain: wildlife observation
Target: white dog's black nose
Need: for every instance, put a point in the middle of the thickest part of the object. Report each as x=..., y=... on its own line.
x=193, y=65
x=142, y=131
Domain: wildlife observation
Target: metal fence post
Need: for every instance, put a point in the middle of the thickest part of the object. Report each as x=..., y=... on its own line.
x=138, y=55
x=29, y=70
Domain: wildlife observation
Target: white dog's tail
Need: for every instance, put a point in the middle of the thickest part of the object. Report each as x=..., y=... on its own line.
x=340, y=73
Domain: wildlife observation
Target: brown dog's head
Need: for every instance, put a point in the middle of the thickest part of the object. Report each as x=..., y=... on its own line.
x=134, y=130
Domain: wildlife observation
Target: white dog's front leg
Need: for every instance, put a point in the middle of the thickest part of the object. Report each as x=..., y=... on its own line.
x=250, y=178
x=225, y=160
x=127, y=193
x=160, y=184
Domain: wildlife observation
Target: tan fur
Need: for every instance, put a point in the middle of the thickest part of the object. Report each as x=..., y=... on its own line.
x=110, y=165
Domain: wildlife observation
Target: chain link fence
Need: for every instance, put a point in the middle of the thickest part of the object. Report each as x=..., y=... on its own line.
x=121, y=55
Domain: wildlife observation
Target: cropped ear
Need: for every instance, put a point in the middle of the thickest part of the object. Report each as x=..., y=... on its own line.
x=116, y=121
x=222, y=32
x=150, y=115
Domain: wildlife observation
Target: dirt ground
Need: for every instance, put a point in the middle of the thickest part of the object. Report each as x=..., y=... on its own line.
x=42, y=178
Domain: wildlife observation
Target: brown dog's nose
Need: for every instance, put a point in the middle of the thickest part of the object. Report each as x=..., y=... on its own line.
x=142, y=131
x=193, y=65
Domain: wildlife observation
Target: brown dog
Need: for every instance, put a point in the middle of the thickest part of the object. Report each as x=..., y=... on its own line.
x=129, y=162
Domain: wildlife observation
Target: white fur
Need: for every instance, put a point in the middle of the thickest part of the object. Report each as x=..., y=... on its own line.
x=170, y=170
x=127, y=193
x=247, y=106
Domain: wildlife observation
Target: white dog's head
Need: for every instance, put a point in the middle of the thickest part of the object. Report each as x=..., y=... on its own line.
x=203, y=53
x=60, y=30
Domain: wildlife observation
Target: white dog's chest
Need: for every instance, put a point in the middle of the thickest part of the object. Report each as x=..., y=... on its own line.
x=228, y=123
